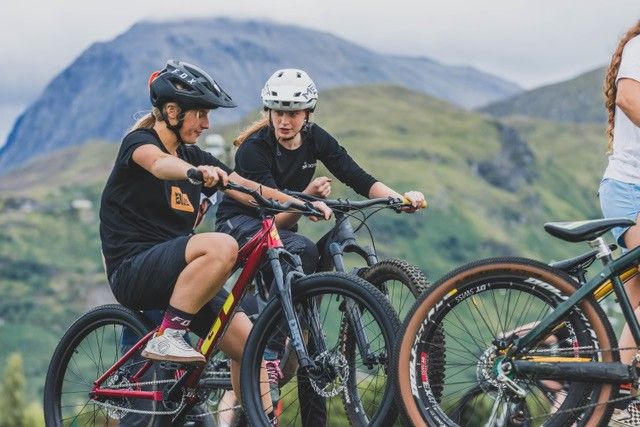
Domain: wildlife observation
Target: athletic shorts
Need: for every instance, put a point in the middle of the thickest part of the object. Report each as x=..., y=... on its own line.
x=145, y=282
x=619, y=200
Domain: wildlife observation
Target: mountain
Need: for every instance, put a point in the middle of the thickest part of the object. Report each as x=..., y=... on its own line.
x=578, y=100
x=491, y=184
x=96, y=96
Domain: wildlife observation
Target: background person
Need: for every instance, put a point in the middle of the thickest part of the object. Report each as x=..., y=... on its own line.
x=282, y=151
x=620, y=187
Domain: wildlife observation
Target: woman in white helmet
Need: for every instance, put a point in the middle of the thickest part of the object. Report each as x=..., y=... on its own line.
x=282, y=151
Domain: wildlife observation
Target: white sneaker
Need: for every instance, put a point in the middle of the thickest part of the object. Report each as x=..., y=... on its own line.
x=171, y=346
x=627, y=417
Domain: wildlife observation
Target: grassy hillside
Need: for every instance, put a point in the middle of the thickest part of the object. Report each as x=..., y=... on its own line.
x=577, y=100
x=490, y=184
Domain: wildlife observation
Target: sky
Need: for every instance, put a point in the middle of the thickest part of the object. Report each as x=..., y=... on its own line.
x=532, y=42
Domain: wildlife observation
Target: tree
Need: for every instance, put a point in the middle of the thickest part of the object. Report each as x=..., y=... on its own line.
x=12, y=404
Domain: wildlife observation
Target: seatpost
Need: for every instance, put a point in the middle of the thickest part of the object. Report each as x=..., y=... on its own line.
x=604, y=251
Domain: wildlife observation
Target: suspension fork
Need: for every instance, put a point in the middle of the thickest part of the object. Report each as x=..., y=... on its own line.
x=283, y=285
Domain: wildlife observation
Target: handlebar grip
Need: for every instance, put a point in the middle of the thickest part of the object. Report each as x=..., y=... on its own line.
x=406, y=201
x=194, y=176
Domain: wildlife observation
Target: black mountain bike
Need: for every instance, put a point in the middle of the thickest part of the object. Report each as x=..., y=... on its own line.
x=400, y=281
x=535, y=342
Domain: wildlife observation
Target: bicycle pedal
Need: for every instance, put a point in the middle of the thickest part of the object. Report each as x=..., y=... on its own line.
x=174, y=366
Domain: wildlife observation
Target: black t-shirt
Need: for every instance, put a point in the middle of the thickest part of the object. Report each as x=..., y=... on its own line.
x=139, y=210
x=260, y=158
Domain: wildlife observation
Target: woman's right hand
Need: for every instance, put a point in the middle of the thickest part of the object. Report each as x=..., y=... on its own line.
x=324, y=209
x=213, y=176
x=320, y=187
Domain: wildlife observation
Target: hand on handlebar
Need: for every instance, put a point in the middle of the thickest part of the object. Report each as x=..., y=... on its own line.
x=323, y=209
x=414, y=200
x=212, y=176
x=320, y=187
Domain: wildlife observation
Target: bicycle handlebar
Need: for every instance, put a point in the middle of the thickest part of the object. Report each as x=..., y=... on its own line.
x=195, y=177
x=350, y=205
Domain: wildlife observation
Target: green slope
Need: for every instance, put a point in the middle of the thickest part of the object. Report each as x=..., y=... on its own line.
x=490, y=184
x=577, y=100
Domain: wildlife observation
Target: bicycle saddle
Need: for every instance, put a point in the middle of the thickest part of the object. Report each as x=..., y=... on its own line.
x=580, y=231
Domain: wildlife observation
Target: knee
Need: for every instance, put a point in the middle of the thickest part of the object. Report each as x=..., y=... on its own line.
x=227, y=247
x=221, y=248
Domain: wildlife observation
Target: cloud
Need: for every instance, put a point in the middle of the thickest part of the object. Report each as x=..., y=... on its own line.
x=529, y=42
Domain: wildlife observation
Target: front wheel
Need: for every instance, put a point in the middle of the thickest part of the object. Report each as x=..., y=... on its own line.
x=482, y=308
x=323, y=301
x=89, y=347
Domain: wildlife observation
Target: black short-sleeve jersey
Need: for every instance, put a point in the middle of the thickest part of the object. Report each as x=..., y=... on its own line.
x=260, y=158
x=138, y=210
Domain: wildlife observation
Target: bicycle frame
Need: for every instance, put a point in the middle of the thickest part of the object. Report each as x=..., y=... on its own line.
x=611, y=277
x=265, y=244
x=341, y=239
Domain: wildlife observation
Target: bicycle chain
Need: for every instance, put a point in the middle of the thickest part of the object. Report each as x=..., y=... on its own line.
x=152, y=383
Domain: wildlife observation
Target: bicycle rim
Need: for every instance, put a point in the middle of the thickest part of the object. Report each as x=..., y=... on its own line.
x=479, y=308
x=90, y=347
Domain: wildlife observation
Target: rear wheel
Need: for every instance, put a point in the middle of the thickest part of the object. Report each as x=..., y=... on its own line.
x=322, y=299
x=87, y=350
x=400, y=281
x=481, y=308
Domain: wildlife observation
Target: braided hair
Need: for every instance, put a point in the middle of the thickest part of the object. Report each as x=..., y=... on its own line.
x=610, y=89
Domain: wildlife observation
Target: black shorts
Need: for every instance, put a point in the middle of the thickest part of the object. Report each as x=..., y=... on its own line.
x=145, y=282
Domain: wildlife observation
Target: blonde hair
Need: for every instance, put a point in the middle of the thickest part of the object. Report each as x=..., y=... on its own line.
x=610, y=89
x=261, y=123
x=149, y=120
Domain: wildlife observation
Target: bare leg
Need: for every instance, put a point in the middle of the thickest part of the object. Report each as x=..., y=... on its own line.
x=232, y=344
x=227, y=402
x=210, y=258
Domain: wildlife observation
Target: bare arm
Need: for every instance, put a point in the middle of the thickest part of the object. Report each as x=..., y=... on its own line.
x=628, y=99
x=161, y=165
x=381, y=190
x=167, y=167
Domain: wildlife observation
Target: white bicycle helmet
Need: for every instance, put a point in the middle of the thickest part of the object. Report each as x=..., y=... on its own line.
x=289, y=90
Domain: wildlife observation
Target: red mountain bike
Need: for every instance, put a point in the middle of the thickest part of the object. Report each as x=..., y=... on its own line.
x=92, y=381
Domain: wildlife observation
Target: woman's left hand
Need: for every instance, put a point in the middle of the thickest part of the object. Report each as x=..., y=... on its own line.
x=416, y=199
x=323, y=208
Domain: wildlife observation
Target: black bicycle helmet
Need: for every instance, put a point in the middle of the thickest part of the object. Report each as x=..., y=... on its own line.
x=188, y=86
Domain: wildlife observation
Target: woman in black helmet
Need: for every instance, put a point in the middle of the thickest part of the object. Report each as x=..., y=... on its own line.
x=148, y=210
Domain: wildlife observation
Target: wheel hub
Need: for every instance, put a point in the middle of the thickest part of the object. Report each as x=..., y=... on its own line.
x=332, y=373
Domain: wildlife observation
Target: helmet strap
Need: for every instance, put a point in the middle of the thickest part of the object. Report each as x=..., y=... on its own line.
x=174, y=128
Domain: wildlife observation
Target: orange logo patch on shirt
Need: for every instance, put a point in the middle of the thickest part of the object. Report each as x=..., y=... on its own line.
x=180, y=201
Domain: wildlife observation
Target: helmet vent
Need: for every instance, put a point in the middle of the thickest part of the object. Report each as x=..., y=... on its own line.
x=180, y=86
x=299, y=75
x=297, y=94
x=274, y=93
x=213, y=88
x=280, y=73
